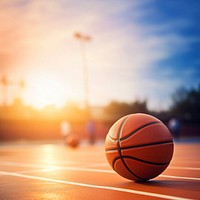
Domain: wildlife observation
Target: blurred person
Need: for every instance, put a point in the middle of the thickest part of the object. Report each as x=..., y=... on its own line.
x=175, y=127
x=90, y=127
x=65, y=128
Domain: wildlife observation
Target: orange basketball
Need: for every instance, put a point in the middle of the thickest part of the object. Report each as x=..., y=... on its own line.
x=72, y=141
x=139, y=147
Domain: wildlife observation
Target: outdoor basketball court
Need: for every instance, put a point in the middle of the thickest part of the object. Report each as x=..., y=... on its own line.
x=54, y=171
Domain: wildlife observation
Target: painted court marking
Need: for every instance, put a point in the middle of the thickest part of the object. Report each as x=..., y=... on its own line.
x=180, y=177
x=94, y=186
x=53, y=168
x=185, y=168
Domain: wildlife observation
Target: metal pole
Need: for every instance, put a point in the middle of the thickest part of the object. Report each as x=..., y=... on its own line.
x=83, y=39
x=85, y=73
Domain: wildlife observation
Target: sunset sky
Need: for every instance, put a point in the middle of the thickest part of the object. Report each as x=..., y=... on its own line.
x=138, y=50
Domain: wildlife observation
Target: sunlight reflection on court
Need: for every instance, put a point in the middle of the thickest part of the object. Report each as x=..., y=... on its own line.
x=49, y=157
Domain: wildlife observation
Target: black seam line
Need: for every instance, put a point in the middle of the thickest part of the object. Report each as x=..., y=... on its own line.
x=147, y=145
x=119, y=149
x=142, y=145
x=144, y=161
x=118, y=135
x=141, y=127
x=115, y=161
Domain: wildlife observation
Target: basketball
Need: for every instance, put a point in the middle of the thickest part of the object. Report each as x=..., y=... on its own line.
x=139, y=147
x=72, y=141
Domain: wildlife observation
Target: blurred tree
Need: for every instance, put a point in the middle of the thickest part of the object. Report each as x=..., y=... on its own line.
x=139, y=107
x=73, y=112
x=186, y=104
x=118, y=109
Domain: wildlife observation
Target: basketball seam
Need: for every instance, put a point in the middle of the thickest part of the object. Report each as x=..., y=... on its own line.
x=118, y=133
x=143, y=161
x=146, y=162
x=141, y=145
x=115, y=161
x=119, y=150
x=139, y=128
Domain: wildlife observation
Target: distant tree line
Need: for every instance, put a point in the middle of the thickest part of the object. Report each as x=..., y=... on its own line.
x=185, y=106
x=117, y=109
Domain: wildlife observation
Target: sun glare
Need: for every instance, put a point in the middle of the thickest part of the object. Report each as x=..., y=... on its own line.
x=44, y=90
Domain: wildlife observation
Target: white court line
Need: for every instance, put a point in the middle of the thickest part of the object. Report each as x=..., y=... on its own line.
x=185, y=168
x=53, y=168
x=22, y=164
x=180, y=177
x=73, y=163
x=86, y=164
x=106, y=164
x=94, y=186
x=95, y=165
x=169, y=167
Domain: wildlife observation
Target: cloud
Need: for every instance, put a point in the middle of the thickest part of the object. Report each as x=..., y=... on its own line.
x=125, y=44
x=41, y=26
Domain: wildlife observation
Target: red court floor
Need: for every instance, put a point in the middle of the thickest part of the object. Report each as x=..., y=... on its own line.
x=54, y=171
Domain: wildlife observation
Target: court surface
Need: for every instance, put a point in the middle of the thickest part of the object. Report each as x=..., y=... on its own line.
x=54, y=171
